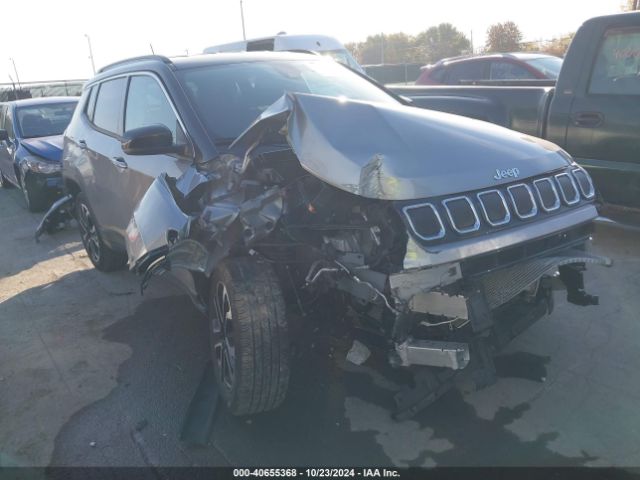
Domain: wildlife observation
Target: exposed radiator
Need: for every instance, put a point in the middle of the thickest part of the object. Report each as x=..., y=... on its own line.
x=502, y=285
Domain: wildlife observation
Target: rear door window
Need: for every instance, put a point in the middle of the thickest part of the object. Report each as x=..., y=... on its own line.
x=465, y=71
x=501, y=70
x=617, y=67
x=108, y=109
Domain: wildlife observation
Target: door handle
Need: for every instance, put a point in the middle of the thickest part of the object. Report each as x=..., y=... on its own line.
x=82, y=144
x=588, y=119
x=119, y=162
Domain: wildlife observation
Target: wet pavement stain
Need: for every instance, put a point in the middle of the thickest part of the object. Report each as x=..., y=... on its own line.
x=473, y=441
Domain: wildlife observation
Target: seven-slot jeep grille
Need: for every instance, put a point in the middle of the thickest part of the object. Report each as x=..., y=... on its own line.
x=485, y=210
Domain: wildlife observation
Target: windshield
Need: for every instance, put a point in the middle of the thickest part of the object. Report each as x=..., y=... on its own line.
x=548, y=66
x=230, y=97
x=44, y=120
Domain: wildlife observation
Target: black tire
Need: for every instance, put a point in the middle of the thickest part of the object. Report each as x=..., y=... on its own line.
x=35, y=198
x=103, y=258
x=254, y=339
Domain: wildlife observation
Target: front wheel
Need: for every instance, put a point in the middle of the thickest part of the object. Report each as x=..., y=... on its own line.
x=103, y=258
x=249, y=336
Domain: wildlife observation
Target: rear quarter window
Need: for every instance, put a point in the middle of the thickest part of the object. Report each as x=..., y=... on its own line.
x=616, y=70
x=90, y=106
x=509, y=71
x=437, y=74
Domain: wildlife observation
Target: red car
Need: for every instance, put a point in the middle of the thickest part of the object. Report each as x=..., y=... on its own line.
x=499, y=66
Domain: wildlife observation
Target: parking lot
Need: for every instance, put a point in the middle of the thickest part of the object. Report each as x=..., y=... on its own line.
x=92, y=373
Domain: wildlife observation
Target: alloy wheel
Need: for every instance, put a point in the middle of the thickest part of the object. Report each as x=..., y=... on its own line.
x=224, y=354
x=89, y=233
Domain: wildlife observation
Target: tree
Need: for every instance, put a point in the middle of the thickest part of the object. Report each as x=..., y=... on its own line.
x=503, y=37
x=631, y=5
x=399, y=48
x=440, y=42
x=556, y=46
x=354, y=49
x=381, y=48
x=430, y=45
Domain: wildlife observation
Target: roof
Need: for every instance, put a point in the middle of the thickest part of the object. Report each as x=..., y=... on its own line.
x=623, y=16
x=515, y=55
x=237, y=57
x=42, y=101
x=179, y=63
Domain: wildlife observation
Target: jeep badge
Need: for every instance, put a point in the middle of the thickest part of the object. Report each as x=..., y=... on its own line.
x=509, y=172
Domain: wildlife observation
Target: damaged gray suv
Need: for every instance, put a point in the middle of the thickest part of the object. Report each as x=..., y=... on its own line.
x=266, y=180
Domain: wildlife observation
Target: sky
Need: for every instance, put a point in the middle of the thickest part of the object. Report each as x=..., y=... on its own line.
x=48, y=42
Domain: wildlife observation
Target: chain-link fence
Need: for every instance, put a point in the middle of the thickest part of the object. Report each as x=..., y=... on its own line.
x=13, y=91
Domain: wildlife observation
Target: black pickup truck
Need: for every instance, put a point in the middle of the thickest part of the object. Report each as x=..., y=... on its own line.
x=593, y=112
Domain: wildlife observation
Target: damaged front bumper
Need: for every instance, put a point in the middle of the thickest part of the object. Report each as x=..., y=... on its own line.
x=171, y=229
x=156, y=224
x=449, y=298
x=58, y=214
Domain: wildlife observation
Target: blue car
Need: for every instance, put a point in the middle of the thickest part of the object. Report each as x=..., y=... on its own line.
x=31, y=147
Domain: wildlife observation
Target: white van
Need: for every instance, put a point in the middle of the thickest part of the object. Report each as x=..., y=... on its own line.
x=321, y=44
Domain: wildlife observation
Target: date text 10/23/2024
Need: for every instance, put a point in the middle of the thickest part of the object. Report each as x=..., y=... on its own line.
x=317, y=472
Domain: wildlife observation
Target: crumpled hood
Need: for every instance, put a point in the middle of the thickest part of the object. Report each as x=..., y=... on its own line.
x=49, y=148
x=395, y=152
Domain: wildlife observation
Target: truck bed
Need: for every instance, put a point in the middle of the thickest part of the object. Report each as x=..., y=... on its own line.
x=519, y=108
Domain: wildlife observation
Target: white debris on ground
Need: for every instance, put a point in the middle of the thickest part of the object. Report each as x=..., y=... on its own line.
x=359, y=353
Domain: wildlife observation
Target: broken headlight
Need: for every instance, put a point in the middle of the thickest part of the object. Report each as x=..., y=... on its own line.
x=38, y=165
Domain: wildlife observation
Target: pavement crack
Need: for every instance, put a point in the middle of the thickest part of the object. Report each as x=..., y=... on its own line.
x=55, y=364
x=138, y=440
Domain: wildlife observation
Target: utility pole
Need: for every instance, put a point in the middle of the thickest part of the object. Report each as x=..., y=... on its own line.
x=382, y=48
x=93, y=65
x=16, y=72
x=472, y=51
x=244, y=34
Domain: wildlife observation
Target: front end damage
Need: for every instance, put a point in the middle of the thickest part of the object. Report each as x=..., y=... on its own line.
x=390, y=208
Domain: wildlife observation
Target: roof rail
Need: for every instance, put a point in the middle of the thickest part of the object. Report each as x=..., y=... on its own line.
x=160, y=58
x=457, y=57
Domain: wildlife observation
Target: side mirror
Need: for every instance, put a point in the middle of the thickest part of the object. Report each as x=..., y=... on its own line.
x=150, y=140
x=4, y=135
